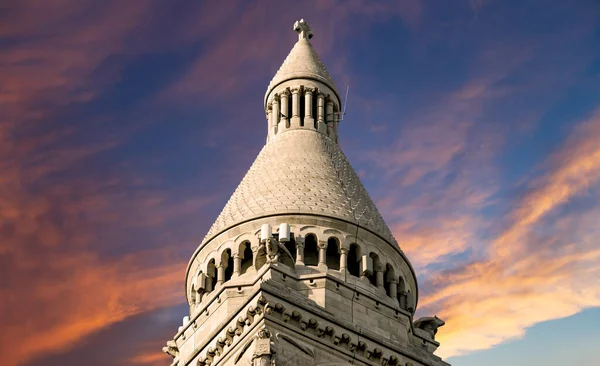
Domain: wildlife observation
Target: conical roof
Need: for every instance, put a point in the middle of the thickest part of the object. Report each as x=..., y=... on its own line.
x=302, y=63
x=301, y=172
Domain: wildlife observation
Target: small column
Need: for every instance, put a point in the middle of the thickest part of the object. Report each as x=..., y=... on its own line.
x=237, y=265
x=343, y=259
x=299, y=251
x=322, y=256
x=284, y=121
x=330, y=123
x=379, y=277
x=295, y=107
x=366, y=269
x=220, y=274
x=275, y=114
x=394, y=289
x=321, y=113
x=309, y=120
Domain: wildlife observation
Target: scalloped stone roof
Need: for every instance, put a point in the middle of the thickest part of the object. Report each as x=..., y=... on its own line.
x=301, y=171
x=302, y=63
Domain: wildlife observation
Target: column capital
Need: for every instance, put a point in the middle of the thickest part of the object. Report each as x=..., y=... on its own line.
x=285, y=92
x=309, y=89
x=295, y=89
x=344, y=250
x=320, y=94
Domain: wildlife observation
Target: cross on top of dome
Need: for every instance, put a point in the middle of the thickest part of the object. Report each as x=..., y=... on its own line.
x=303, y=30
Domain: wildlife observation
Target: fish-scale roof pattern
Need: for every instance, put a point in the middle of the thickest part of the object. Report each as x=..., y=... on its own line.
x=301, y=172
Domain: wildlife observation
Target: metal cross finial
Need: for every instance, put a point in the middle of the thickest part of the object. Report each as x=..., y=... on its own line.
x=303, y=30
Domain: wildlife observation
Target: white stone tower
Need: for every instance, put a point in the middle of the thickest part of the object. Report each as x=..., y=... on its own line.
x=300, y=268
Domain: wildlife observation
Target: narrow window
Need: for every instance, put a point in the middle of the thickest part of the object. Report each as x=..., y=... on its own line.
x=311, y=250
x=302, y=109
x=211, y=275
x=333, y=254
x=247, y=257
x=227, y=259
x=291, y=247
x=353, y=264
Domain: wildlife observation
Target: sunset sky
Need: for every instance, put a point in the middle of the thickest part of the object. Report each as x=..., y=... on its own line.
x=125, y=125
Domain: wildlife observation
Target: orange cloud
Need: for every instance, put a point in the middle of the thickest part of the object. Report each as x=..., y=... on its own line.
x=524, y=281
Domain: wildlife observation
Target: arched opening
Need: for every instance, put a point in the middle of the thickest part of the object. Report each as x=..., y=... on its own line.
x=211, y=275
x=247, y=257
x=353, y=264
x=311, y=250
x=332, y=255
x=376, y=267
x=227, y=260
x=388, y=276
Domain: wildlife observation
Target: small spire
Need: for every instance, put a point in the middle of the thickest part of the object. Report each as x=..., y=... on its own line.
x=301, y=27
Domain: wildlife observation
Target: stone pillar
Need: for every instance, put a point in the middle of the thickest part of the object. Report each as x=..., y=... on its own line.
x=379, y=277
x=283, y=123
x=299, y=251
x=343, y=259
x=220, y=274
x=322, y=256
x=275, y=114
x=330, y=117
x=321, y=112
x=237, y=265
x=309, y=120
x=295, y=107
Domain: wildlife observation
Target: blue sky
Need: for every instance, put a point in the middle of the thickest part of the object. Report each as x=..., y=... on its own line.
x=125, y=126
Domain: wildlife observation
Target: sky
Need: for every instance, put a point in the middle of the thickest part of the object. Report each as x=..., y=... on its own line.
x=126, y=125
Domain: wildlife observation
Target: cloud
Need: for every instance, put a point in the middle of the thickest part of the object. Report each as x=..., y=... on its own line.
x=529, y=278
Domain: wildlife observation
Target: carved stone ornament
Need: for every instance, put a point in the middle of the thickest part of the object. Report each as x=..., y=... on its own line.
x=264, y=350
x=171, y=349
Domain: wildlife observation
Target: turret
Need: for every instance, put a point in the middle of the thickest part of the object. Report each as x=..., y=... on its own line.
x=302, y=94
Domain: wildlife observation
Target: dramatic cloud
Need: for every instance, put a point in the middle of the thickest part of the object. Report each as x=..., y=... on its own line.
x=124, y=127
